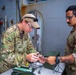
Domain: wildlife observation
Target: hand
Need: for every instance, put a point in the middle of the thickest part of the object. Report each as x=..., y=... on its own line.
x=32, y=57
x=41, y=58
x=51, y=60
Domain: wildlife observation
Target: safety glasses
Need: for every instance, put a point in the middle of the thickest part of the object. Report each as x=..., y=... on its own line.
x=30, y=25
x=69, y=17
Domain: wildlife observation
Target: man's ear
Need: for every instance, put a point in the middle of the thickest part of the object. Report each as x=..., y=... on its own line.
x=24, y=22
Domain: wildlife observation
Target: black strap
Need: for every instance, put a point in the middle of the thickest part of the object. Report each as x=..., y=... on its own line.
x=34, y=19
x=57, y=60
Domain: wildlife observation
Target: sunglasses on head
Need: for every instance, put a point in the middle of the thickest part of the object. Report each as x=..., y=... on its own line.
x=34, y=19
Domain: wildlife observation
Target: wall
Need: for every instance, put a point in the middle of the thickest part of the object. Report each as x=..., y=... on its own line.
x=9, y=15
x=55, y=29
x=10, y=11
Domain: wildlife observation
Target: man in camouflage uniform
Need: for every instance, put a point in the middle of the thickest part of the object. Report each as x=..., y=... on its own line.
x=16, y=44
x=70, y=50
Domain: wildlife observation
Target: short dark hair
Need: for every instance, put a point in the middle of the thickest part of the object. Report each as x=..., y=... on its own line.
x=72, y=8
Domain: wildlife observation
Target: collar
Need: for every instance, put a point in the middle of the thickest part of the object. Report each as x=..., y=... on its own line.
x=21, y=33
x=73, y=30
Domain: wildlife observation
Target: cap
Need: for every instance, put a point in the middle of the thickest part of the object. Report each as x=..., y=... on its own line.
x=32, y=19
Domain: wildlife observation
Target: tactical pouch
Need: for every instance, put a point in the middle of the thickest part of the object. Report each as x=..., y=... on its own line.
x=51, y=53
x=22, y=71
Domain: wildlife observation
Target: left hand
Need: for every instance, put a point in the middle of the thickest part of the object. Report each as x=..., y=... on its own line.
x=51, y=60
x=41, y=58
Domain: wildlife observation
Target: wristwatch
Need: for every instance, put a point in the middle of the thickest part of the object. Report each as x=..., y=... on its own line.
x=58, y=59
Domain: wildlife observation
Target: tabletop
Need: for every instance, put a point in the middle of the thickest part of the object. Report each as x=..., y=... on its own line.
x=57, y=71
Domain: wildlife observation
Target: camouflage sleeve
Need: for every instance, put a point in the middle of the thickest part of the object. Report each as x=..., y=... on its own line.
x=67, y=50
x=20, y=59
x=7, y=51
x=74, y=52
x=30, y=47
x=7, y=43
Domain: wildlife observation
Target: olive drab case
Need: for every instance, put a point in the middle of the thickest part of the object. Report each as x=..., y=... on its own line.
x=51, y=53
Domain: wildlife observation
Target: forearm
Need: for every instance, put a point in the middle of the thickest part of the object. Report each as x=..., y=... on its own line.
x=67, y=59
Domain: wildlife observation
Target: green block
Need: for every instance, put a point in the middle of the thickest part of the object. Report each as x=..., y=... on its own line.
x=51, y=53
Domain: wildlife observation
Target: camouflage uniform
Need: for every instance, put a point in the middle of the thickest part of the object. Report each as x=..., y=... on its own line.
x=15, y=47
x=71, y=49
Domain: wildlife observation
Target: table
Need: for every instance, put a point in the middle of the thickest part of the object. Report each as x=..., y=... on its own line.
x=57, y=71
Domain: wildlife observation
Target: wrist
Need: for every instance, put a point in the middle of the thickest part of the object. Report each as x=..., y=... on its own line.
x=57, y=60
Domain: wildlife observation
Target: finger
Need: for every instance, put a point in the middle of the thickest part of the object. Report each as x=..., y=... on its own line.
x=35, y=57
x=34, y=60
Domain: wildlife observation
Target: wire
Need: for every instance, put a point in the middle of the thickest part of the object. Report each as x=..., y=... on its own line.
x=58, y=69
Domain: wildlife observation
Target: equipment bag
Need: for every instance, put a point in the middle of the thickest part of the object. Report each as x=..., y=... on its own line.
x=51, y=53
x=22, y=71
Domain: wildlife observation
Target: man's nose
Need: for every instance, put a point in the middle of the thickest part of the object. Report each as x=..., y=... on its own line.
x=67, y=20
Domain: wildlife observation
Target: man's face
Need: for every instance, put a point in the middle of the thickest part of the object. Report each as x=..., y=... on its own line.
x=70, y=18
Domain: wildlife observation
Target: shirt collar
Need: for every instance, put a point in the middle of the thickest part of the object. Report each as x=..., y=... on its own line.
x=73, y=30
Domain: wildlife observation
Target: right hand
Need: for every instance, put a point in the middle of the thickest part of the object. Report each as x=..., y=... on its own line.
x=41, y=58
x=32, y=57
